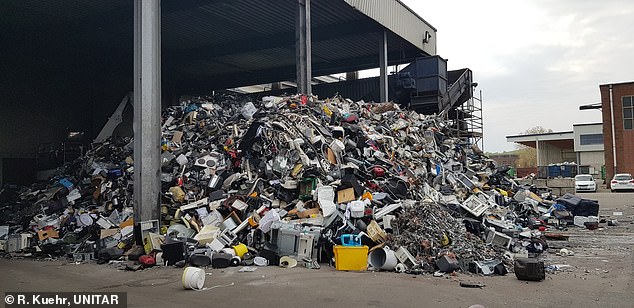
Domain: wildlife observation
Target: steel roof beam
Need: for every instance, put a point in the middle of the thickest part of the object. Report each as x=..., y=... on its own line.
x=282, y=39
x=202, y=84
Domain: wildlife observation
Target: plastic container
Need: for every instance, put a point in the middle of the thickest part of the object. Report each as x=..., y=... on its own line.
x=383, y=259
x=554, y=171
x=357, y=209
x=350, y=240
x=580, y=221
x=193, y=278
x=259, y=261
x=351, y=258
x=375, y=232
x=240, y=250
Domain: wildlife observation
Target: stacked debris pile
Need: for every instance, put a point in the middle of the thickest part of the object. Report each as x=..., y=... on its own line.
x=287, y=181
x=429, y=231
x=69, y=212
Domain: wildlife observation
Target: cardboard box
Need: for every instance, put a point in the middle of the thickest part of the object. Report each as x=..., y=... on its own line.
x=128, y=222
x=108, y=232
x=345, y=195
x=44, y=234
x=331, y=156
x=307, y=213
x=177, y=137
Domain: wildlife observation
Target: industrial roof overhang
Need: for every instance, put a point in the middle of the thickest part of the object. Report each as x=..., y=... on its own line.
x=562, y=140
x=216, y=44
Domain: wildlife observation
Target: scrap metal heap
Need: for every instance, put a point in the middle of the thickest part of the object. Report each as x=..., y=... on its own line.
x=247, y=182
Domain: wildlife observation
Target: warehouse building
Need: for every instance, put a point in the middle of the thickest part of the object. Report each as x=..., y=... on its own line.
x=68, y=64
x=583, y=147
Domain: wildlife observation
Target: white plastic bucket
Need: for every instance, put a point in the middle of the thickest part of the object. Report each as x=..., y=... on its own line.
x=259, y=261
x=384, y=259
x=193, y=278
x=288, y=262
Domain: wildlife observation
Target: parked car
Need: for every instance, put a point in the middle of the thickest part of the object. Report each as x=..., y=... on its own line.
x=622, y=181
x=585, y=182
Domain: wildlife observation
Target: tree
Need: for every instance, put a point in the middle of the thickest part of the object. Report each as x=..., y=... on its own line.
x=537, y=130
x=527, y=156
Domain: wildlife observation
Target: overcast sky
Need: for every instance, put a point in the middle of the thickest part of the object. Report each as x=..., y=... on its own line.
x=536, y=61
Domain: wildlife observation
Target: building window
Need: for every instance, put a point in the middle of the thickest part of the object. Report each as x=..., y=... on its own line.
x=590, y=139
x=628, y=112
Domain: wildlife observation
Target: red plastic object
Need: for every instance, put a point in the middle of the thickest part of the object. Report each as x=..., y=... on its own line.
x=147, y=260
x=351, y=118
x=378, y=172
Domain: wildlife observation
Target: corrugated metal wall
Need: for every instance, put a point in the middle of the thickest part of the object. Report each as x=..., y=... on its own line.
x=398, y=18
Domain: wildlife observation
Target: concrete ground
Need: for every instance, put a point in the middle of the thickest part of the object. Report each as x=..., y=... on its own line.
x=600, y=274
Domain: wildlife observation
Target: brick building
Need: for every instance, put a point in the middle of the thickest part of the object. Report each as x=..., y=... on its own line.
x=617, y=102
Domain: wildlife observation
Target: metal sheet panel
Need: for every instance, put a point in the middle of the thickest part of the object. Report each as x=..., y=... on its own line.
x=71, y=8
x=398, y=18
x=249, y=37
x=324, y=13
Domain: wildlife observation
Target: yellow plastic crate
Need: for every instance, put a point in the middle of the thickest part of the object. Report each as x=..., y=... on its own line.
x=351, y=258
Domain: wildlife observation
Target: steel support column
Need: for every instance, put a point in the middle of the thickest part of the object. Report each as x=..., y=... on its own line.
x=303, y=57
x=147, y=109
x=538, y=155
x=383, y=68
